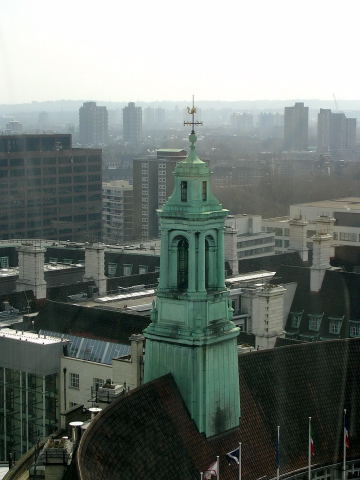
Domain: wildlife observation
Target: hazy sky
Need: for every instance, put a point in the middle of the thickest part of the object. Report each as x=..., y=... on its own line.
x=124, y=50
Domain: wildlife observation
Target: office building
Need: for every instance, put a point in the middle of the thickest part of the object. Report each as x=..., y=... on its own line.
x=93, y=124
x=335, y=132
x=153, y=182
x=49, y=189
x=296, y=126
x=118, y=211
x=132, y=124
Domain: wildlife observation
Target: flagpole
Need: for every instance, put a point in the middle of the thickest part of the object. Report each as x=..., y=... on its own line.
x=201, y=475
x=218, y=467
x=309, y=450
x=344, y=439
x=278, y=454
x=240, y=461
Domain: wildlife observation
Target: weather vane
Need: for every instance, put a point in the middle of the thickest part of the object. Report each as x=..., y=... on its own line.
x=192, y=111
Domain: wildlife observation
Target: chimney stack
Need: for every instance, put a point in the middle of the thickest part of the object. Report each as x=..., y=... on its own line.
x=31, y=270
x=297, y=237
x=95, y=266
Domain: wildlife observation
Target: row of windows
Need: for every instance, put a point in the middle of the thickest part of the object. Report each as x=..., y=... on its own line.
x=255, y=241
x=255, y=251
x=18, y=162
x=74, y=382
x=21, y=172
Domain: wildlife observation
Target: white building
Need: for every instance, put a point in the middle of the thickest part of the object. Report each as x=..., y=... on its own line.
x=345, y=212
x=244, y=238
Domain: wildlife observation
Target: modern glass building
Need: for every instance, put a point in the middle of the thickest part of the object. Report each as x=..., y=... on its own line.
x=29, y=384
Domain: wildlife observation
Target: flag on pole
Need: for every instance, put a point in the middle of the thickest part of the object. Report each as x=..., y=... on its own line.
x=212, y=470
x=234, y=456
x=346, y=430
x=311, y=440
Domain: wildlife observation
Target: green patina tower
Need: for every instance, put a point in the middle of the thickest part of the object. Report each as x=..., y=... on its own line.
x=191, y=334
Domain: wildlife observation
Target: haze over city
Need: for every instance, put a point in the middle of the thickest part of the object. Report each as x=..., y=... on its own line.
x=163, y=50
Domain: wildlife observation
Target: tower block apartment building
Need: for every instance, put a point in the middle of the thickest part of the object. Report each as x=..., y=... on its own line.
x=49, y=189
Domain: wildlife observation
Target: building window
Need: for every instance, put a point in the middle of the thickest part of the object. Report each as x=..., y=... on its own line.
x=112, y=269
x=296, y=319
x=348, y=236
x=315, y=321
x=204, y=191
x=4, y=262
x=143, y=269
x=183, y=254
x=278, y=243
x=310, y=233
x=127, y=270
x=74, y=381
x=97, y=383
x=183, y=190
x=354, y=329
x=335, y=325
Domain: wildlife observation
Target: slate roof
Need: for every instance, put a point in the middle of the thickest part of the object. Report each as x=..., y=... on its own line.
x=148, y=433
x=270, y=262
x=89, y=321
x=337, y=298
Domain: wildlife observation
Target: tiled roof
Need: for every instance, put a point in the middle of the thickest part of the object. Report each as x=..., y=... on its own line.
x=148, y=432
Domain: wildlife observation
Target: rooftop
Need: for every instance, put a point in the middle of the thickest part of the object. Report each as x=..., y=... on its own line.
x=347, y=203
x=29, y=337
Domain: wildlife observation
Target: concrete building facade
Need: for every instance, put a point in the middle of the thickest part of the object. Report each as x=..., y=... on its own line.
x=335, y=132
x=118, y=211
x=296, y=127
x=153, y=183
x=93, y=124
x=132, y=124
x=49, y=189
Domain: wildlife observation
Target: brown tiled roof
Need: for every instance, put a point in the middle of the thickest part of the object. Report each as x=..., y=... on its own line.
x=148, y=433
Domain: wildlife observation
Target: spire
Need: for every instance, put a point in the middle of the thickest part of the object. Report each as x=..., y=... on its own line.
x=192, y=157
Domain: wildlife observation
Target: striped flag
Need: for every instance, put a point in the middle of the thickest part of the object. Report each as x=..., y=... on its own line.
x=311, y=440
x=346, y=431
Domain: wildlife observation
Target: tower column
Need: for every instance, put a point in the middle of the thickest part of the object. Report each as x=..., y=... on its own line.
x=192, y=263
x=201, y=263
x=164, y=260
x=220, y=259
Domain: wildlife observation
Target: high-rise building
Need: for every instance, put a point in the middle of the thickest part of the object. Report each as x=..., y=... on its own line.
x=296, y=127
x=93, y=124
x=242, y=123
x=335, y=132
x=132, y=124
x=49, y=189
x=154, y=118
x=118, y=211
x=153, y=183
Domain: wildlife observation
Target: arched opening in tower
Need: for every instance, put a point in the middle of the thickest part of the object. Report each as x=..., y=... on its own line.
x=183, y=264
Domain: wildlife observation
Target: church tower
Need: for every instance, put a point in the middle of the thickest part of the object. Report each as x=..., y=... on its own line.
x=191, y=334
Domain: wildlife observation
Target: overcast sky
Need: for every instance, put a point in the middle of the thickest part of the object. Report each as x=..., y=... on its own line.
x=121, y=50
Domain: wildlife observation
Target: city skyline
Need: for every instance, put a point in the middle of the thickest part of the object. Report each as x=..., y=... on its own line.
x=250, y=51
